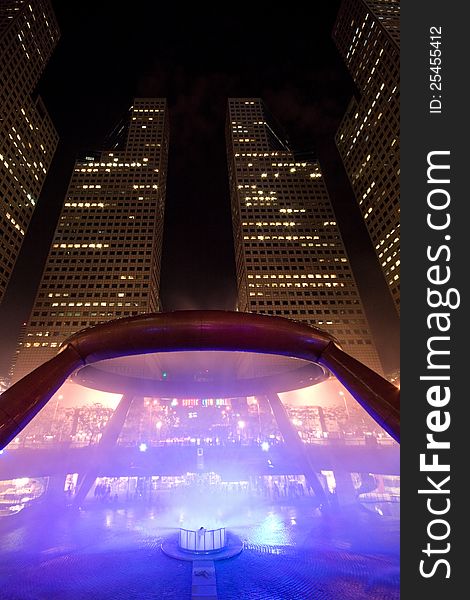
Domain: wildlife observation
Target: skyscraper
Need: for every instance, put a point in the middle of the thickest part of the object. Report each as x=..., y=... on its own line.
x=366, y=33
x=290, y=257
x=28, y=140
x=104, y=262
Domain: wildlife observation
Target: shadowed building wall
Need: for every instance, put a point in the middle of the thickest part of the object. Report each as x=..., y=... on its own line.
x=367, y=34
x=28, y=139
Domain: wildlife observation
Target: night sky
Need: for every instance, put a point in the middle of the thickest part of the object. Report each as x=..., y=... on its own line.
x=110, y=52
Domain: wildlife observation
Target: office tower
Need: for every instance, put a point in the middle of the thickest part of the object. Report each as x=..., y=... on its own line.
x=368, y=138
x=28, y=36
x=290, y=257
x=104, y=262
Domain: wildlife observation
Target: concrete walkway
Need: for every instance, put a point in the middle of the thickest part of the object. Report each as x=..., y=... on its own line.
x=204, y=586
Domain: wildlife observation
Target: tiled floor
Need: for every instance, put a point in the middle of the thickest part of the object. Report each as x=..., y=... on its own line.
x=291, y=553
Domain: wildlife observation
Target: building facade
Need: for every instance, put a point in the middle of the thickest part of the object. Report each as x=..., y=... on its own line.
x=366, y=33
x=104, y=262
x=290, y=257
x=28, y=140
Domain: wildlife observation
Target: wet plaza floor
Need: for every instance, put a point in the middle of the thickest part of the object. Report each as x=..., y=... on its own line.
x=292, y=551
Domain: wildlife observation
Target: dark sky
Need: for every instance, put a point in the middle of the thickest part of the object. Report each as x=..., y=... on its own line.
x=110, y=52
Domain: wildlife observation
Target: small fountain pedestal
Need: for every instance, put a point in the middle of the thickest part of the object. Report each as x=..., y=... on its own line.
x=202, y=540
x=194, y=544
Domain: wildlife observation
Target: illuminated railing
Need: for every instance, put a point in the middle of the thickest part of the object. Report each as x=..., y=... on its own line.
x=53, y=443
x=202, y=540
x=374, y=497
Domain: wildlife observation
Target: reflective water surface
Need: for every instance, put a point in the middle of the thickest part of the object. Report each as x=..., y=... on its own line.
x=293, y=551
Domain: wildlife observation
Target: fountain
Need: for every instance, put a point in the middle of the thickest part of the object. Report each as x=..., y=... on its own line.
x=206, y=354
x=209, y=544
x=202, y=540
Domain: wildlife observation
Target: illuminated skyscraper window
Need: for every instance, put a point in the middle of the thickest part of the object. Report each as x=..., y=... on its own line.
x=368, y=139
x=290, y=257
x=104, y=262
x=28, y=140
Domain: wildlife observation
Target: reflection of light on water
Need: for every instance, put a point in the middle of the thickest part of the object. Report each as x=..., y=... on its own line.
x=271, y=530
x=292, y=516
x=384, y=509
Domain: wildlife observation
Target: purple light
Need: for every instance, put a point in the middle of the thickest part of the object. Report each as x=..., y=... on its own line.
x=143, y=447
x=265, y=446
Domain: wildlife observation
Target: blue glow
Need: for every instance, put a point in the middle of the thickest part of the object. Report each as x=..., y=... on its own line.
x=300, y=549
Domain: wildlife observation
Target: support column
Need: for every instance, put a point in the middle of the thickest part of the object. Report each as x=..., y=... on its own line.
x=23, y=400
x=55, y=489
x=345, y=490
x=295, y=444
x=376, y=395
x=107, y=442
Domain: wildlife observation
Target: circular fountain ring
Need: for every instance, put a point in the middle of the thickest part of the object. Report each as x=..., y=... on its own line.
x=208, y=332
x=200, y=354
x=204, y=374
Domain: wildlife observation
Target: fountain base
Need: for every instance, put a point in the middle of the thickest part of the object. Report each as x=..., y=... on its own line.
x=207, y=544
x=202, y=540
